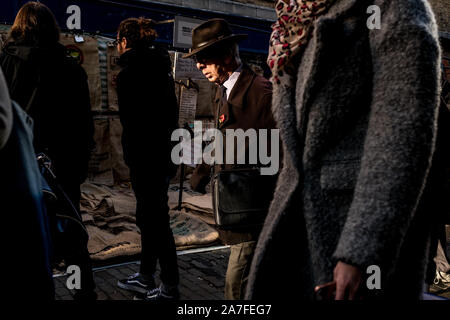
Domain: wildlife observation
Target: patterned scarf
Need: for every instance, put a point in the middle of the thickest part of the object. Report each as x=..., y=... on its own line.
x=291, y=33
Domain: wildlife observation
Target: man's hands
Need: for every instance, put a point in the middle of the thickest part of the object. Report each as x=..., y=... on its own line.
x=348, y=281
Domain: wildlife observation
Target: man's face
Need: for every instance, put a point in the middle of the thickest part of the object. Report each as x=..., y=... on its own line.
x=212, y=68
x=121, y=45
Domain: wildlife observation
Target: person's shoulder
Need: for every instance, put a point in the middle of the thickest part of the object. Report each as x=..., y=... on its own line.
x=162, y=55
x=19, y=52
x=261, y=84
x=6, y=58
x=408, y=13
x=160, y=50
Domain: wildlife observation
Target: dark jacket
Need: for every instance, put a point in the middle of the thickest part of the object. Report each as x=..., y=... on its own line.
x=248, y=107
x=359, y=141
x=63, y=124
x=148, y=110
x=22, y=206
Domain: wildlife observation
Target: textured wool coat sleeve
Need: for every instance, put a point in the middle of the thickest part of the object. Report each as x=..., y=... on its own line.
x=5, y=112
x=400, y=138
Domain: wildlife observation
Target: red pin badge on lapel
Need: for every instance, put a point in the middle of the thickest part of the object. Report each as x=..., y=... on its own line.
x=222, y=118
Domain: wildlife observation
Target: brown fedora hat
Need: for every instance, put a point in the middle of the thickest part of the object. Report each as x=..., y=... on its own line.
x=210, y=33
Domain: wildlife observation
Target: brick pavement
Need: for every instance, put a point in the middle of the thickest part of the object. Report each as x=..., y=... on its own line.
x=202, y=277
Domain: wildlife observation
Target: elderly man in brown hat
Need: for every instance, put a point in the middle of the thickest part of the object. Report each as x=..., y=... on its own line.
x=243, y=101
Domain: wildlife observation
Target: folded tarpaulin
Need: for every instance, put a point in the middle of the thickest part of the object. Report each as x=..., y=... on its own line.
x=109, y=216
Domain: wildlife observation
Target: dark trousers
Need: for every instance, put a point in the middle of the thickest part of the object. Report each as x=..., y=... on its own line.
x=152, y=218
x=74, y=250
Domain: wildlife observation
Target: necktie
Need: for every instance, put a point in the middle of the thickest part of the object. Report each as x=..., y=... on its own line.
x=222, y=102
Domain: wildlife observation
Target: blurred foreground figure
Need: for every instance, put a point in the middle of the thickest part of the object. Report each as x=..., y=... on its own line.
x=53, y=90
x=26, y=261
x=357, y=109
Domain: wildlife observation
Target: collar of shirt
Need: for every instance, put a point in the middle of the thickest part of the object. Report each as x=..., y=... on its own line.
x=231, y=81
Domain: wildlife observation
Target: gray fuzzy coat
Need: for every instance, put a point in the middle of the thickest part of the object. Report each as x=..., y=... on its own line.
x=358, y=132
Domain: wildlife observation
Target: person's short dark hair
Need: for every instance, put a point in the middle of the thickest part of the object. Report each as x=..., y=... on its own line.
x=137, y=31
x=35, y=25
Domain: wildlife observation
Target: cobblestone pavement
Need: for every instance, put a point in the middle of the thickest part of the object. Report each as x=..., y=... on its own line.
x=202, y=277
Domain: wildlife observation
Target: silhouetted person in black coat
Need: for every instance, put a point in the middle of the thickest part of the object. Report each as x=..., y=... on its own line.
x=148, y=113
x=53, y=89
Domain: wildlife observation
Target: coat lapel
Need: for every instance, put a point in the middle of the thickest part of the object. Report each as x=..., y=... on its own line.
x=223, y=117
x=239, y=91
x=310, y=60
x=236, y=98
x=291, y=95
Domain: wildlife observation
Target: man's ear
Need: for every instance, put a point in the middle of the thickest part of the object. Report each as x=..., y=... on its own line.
x=125, y=43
